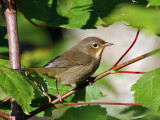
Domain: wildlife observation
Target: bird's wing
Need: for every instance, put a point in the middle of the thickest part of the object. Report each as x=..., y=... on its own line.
x=69, y=59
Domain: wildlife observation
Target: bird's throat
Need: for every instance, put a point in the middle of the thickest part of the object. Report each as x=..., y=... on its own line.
x=98, y=54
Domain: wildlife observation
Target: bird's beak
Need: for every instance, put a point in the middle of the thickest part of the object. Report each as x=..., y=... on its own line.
x=108, y=44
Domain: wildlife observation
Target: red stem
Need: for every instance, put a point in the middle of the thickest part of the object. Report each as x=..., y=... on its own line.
x=127, y=50
x=97, y=103
x=133, y=72
x=5, y=100
x=5, y=116
x=30, y=19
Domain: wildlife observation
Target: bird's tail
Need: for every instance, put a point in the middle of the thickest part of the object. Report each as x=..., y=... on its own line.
x=41, y=70
x=28, y=69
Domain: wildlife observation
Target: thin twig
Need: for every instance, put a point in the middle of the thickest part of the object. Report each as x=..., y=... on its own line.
x=97, y=103
x=42, y=26
x=128, y=49
x=5, y=100
x=5, y=116
x=87, y=83
x=132, y=72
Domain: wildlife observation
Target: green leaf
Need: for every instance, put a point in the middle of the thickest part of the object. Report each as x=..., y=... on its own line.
x=85, y=113
x=87, y=94
x=39, y=102
x=136, y=110
x=154, y=3
x=136, y=16
x=80, y=14
x=18, y=86
x=105, y=8
x=4, y=49
x=63, y=13
x=147, y=90
x=93, y=93
x=112, y=118
x=4, y=63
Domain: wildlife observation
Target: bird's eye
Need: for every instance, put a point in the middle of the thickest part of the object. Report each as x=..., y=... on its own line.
x=95, y=45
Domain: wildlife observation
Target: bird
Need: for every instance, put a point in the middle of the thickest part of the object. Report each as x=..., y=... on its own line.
x=76, y=64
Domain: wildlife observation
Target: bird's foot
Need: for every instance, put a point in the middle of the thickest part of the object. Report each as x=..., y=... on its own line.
x=91, y=81
x=59, y=96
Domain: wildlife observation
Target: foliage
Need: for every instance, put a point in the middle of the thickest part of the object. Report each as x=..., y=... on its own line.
x=91, y=112
x=147, y=89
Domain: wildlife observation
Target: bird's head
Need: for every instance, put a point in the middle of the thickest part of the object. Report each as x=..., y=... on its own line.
x=92, y=46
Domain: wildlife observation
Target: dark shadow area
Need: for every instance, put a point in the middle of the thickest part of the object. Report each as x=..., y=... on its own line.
x=92, y=20
x=3, y=42
x=105, y=7
x=41, y=10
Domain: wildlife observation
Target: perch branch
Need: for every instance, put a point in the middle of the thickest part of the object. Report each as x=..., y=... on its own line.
x=132, y=72
x=5, y=116
x=87, y=82
x=97, y=103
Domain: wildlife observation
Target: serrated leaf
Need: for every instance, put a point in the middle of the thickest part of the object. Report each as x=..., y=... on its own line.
x=39, y=102
x=147, y=89
x=17, y=86
x=106, y=8
x=93, y=93
x=136, y=16
x=136, y=110
x=85, y=113
x=64, y=13
x=87, y=94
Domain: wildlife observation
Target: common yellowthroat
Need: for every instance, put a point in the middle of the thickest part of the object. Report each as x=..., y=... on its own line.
x=76, y=64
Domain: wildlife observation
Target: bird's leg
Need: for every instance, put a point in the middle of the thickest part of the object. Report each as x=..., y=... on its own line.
x=91, y=81
x=58, y=94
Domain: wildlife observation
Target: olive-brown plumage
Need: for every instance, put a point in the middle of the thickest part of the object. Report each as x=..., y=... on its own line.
x=76, y=64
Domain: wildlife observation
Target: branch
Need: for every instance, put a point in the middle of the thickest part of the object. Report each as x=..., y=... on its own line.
x=5, y=100
x=5, y=116
x=11, y=19
x=132, y=72
x=97, y=103
x=128, y=49
x=87, y=82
